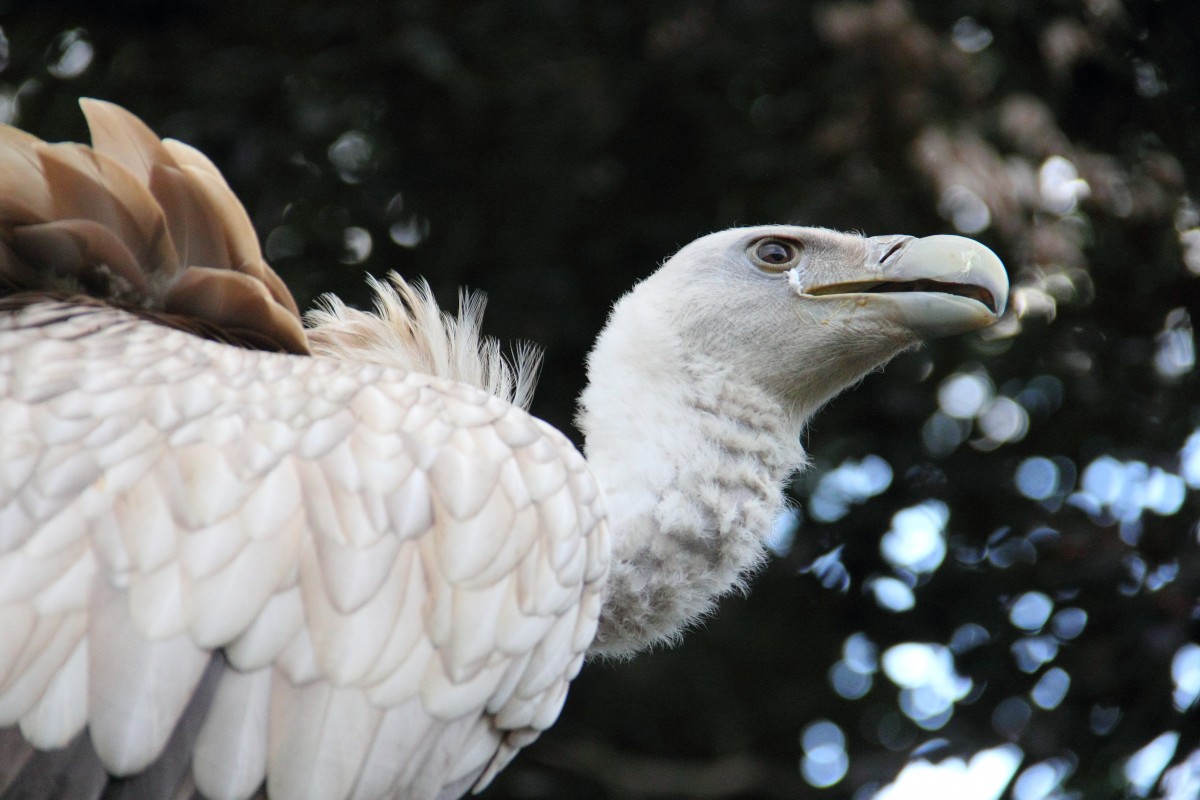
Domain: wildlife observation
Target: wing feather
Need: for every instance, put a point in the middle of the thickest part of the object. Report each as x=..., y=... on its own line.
x=352, y=576
x=279, y=621
x=319, y=738
x=141, y=222
x=75, y=244
x=402, y=574
x=18, y=621
x=224, y=604
x=156, y=601
x=61, y=712
x=230, y=759
x=88, y=185
x=407, y=632
x=44, y=653
x=124, y=138
x=400, y=735
x=347, y=645
x=137, y=688
x=24, y=194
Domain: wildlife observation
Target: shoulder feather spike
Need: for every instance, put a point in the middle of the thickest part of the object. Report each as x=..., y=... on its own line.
x=409, y=331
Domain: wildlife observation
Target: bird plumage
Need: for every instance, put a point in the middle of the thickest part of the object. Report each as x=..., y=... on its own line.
x=339, y=529
x=335, y=524
x=343, y=561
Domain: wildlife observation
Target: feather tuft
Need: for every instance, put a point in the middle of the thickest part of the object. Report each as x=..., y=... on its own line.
x=409, y=331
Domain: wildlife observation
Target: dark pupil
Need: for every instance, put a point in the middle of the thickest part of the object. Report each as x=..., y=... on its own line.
x=774, y=253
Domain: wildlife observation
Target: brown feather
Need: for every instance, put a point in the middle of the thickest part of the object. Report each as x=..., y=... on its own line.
x=89, y=185
x=147, y=225
x=71, y=305
x=124, y=138
x=87, y=249
x=195, y=228
x=24, y=194
x=234, y=300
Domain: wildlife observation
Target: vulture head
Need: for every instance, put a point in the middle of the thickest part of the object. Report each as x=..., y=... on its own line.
x=705, y=374
x=805, y=312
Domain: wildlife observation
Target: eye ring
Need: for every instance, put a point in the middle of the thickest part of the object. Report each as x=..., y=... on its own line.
x=775, y=255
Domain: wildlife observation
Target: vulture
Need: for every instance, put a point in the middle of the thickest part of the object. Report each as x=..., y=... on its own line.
x=248, y=554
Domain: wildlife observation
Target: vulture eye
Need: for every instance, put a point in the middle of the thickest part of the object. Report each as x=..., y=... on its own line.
x=775, y=255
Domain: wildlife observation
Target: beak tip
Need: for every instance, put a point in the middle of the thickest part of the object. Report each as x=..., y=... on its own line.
x=963, y=260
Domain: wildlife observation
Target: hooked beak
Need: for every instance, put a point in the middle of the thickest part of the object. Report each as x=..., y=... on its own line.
x=935, y=286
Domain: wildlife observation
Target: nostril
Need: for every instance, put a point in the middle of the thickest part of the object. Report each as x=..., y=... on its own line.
x=896, y=248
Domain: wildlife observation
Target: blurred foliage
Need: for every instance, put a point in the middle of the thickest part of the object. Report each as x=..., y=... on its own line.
x=1019, y=504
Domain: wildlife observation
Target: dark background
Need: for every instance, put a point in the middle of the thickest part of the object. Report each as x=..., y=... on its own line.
x=552, y=152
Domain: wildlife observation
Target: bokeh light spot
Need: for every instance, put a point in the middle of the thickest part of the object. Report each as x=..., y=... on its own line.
x=1067, y=623
x=965, y=210
x=1185, y=671
x=963, y=395
x=969, y=636
x=1102, y=720
x=1175, y=352
x=1030, y=611
x=848, y=682
x=356, y=245
x=916, y=541
x=71, y=54
x=1010, y=716
x=850, y=483
x=1031, y=652
x=1051, y=688
x=1060, y=186
x=892, y=594
x=1037, y=478
x=825, y=759
x=1039, y=781
x=1004, y=420
x=984, y=777
x=351, y=154
x=1143, y=768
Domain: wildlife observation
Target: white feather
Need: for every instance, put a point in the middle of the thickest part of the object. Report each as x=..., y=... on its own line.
x=463, y=483
x=468, y=546
x=223, y=605
x=137, y=689
x=156, y=602
x=230, y=757
x=411, y=333
x=406, y=632
x=347, y=645
x=473, y=754
x=45, y=651
x=351, y=576
x=319, y=738
x=147, y=528
x=402, y=734
x=269, y=633
x=472, y=641
x=22, y=576
x=274, y=502
x=18, y=622
x=446, y=699
x=61, y=712
x=403, y=681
